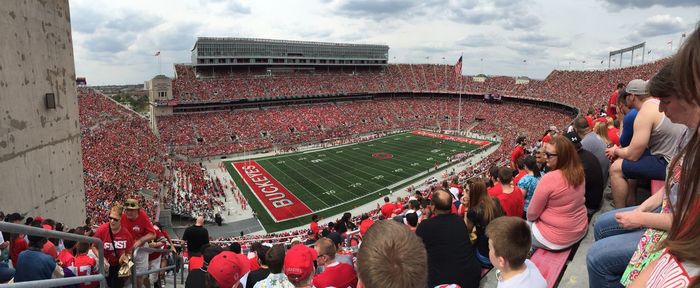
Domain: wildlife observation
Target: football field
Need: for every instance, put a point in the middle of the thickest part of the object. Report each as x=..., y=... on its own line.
x=284, y=190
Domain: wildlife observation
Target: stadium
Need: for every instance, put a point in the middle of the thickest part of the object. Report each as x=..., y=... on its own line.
x=279, y=141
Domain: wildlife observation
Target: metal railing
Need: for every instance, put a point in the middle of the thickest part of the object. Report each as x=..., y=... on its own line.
x=35, y=231
x=173, y=267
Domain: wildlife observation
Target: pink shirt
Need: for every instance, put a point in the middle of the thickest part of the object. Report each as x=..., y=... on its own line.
x=558, y=209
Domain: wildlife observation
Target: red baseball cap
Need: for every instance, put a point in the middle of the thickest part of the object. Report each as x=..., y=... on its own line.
x=228, y=268
x=299, y=262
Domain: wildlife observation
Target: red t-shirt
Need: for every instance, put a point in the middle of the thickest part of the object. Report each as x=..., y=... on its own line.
x=160, y=238
x=50, y=249
x=387, y=210
x=512, y=203
x=140, y=226
x=365, y=224
x=253, y=259
x=496, y=190
x=612, y=134
x=340, y=275
x=520, y=175
x=589, y=119
x=122, y=240
x=66, y=258
x=518, y=152
x=314, y=227
x=195, y=262
x=611, y=111
x=84, y=265
x=547, y=138
x=17, y=247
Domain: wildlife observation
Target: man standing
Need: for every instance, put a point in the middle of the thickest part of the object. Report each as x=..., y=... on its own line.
x=196, y=236
x=136, y=221
x=451, y=258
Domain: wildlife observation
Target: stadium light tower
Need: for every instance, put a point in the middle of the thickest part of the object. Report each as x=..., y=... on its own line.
x=623, y=50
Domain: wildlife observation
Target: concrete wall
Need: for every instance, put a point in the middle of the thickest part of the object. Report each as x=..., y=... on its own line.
x=40, y=159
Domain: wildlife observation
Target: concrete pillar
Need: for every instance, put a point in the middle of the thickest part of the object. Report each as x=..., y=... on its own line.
x=40, y=158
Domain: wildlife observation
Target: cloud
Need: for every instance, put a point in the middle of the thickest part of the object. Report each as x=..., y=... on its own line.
x=234, y=7
x=376, y=9
x=615, y=5
x=656, y=26
x=133, y=21
x=524, y=22
x=480, y=40
x=540, y=39
x=178, y=37
x=84, y=20
x=109, y=44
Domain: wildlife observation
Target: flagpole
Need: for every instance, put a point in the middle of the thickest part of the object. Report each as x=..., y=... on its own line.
x=160, y=67
x=459, y=113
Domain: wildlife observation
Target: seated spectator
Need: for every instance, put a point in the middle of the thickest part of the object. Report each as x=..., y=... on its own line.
x=509, y=243
x=511, y=197
x=33, y=264
x=411, y=221
x=275, y=260
x=593, y=175
x=529, y=182
x=299, y=266
x=679, y=264
x=262, y=272
x=557, y=210
x=387, y=208
x=84, y=265
x=227, y=269
x=451, y=258
x=623, y=228
x=196, y=277
x=482, y=210
x=335, y=274
x=651, y=129
x=391, y=262
x=591, y=142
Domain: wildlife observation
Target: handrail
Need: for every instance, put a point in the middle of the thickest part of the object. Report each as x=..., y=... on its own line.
x=29, y=230
x=173, y=267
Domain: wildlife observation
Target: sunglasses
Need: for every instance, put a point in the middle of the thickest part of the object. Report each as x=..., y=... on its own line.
x=550, y=155
x=114, y=219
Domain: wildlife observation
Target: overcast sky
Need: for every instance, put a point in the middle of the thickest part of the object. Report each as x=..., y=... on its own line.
x=114, y=41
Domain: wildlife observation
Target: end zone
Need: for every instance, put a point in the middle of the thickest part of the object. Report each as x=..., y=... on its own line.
x=480, y=143
x=279, y=202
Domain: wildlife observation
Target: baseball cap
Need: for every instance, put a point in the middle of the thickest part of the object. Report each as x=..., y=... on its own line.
x=574, y=138
x=637, y=87
x=131, y=204
x=228, y=268
x=299, y=262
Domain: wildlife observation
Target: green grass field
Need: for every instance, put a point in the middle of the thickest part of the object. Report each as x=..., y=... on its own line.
x=339, y=179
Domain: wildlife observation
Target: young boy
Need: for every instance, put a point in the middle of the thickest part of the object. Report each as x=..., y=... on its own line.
x=509, y=243
x=84, y=264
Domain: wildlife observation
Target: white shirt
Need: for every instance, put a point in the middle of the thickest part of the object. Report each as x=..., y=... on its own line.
x=531, y=278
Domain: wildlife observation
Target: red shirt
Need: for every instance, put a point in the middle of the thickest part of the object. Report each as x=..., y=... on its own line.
x=512, y=203
x=17, y=247
x=340, y=275
x=518, y=152
x=365, y=224
x=314, y=227
x=122, y=240
x=66, y=258
x=140, y=226
x=589, y=119
x=612, y=111
x=517, y=178
x=387, y=210
x=84, y=265
x=50, y=249
x=160, y=238
x=612, y=134
x=195, y=262
x=496, y=190
x=547, y=138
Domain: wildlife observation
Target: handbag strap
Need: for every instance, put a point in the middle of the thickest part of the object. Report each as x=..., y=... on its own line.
x=114, y=247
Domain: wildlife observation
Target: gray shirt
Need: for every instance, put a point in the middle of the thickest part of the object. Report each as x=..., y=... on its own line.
x=592, y=143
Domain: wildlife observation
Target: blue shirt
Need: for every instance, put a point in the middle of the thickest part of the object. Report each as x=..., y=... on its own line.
x=34, y=265
x=528, y=184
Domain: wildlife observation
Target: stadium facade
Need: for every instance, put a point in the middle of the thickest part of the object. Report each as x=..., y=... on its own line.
x=208, y=51
x=41, y=171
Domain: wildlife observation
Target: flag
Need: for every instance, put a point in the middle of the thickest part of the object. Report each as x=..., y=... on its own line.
x=458, y=67
x=584, y=61
x=649, y=52
x=613, y=60
x=683, y=35
x=601, y=61
x=157, y=53
x=669, y=42
x=525, y=60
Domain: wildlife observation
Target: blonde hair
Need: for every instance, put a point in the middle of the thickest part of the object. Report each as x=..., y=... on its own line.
x=601, y=129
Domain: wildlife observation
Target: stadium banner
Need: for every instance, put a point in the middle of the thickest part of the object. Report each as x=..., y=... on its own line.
x=278, y=201
x=451, y=138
